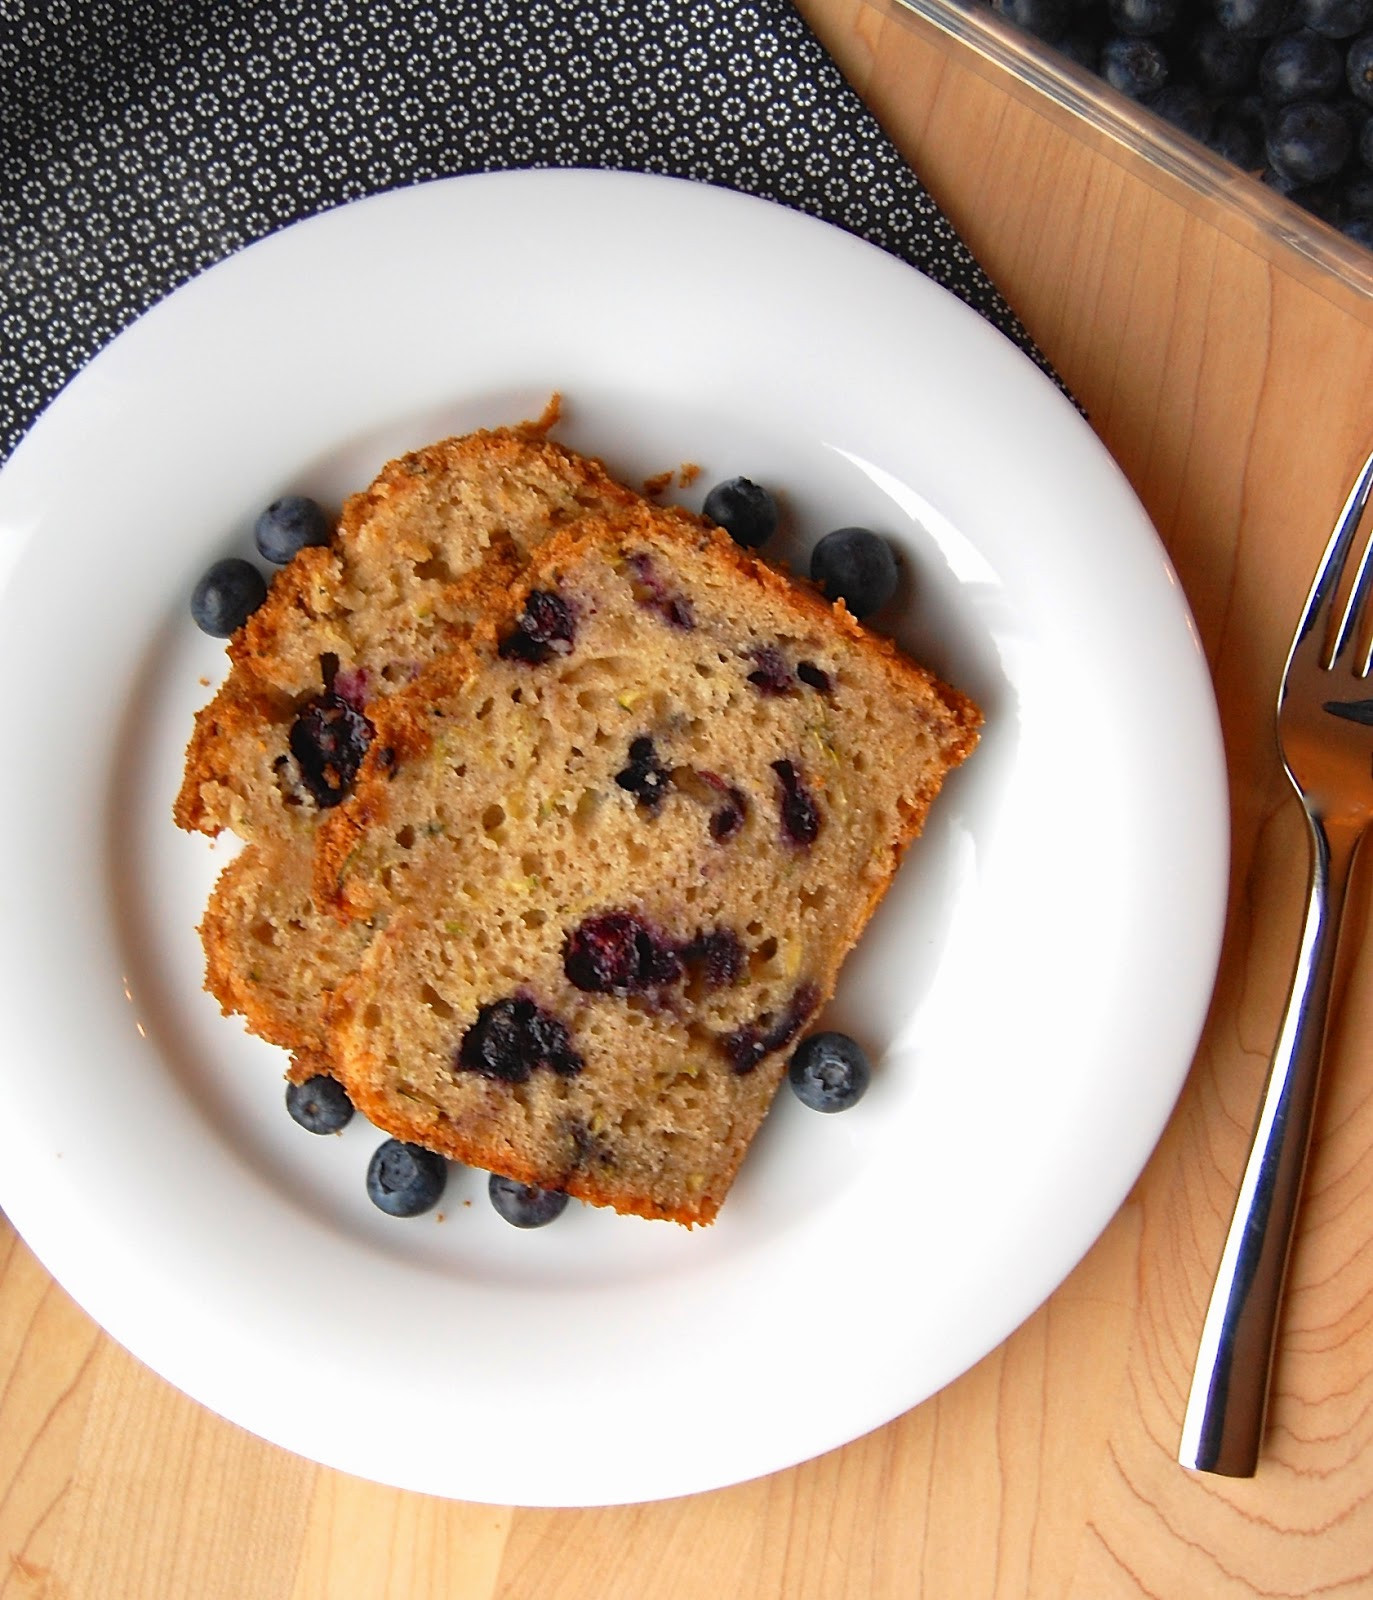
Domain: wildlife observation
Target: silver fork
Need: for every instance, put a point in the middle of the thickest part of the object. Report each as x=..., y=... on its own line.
x=1325, y=734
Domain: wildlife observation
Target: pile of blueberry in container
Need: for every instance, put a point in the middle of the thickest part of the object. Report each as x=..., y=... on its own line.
x=1280, y=88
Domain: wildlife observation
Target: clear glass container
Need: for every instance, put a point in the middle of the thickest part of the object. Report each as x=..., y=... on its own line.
x=1134, y=136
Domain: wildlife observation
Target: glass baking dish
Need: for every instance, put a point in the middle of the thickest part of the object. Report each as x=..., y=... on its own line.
x=1133, y=135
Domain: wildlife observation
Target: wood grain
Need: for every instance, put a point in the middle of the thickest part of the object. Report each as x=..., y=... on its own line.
x=1231, y=388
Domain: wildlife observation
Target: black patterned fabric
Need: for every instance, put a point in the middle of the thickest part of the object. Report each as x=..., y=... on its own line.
x=142, y=141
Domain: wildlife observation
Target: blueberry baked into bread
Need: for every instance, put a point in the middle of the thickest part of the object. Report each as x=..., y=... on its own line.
x=603, y=859
x=408, y=569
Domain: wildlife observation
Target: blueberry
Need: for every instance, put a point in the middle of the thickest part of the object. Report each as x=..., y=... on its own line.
x=1359, y=229
x=717, y=956
x=1237, y=139
x=1225, y=62
x=856, y=566
x=771, y=676
x=522, y=1205
x=320, y=1104
x=1081, y=46
x=1356, y=193
x=1358, y=69
x=1136, y=67
x=404, y=1180
x=618, y=953
x=1144, y=18
x=745, y=1047
x=1320, y=199
x=746, y=512
x=1252, y=19
x=1300, y=66
x=727, y=819
x=1308, y=141
x=645, y=778
x=329, y=739
x=544, y=629
x=1186, y=107
x=227, y=596
x=799, y=812
x=1357, y=115
x=1046, y=19
x=288, y=525
x=829, y=1072
x=1336, y=19
x=513, y=1038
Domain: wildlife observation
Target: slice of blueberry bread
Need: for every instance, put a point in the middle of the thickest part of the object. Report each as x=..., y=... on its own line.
x=412, y=564
x=407, y=570
x=621, y=844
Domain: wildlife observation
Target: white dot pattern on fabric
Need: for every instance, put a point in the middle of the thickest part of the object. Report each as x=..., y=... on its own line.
x=141, y=141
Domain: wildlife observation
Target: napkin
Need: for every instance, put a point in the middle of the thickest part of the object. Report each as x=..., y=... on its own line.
x=143, y=140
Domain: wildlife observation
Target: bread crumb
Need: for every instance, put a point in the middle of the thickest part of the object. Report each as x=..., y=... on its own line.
x=657, y=483
x=547, y=419
x=688, y=473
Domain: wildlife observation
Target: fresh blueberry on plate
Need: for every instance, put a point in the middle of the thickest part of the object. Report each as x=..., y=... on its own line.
x=227, y=596
x=745, y=510
x=522, y=1205
x=856, y=566
x=829, y=1072
x=404, y=1180
x=320, y=1104
x=288, y=525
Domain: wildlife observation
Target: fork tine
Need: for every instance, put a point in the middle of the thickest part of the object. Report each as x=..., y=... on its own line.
x=1354, y=610
x=1320, y=602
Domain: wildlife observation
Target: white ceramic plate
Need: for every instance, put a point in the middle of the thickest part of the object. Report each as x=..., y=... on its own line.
x=1032, y=989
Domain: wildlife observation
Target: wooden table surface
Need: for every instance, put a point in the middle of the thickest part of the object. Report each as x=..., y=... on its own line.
x=1232, y=387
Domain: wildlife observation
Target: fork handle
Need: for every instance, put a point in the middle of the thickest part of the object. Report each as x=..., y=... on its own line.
x=1226, y=1409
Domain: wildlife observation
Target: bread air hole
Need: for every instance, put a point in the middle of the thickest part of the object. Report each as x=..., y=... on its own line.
x=434, y=570
x=584, y=813
x=435, y=1001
